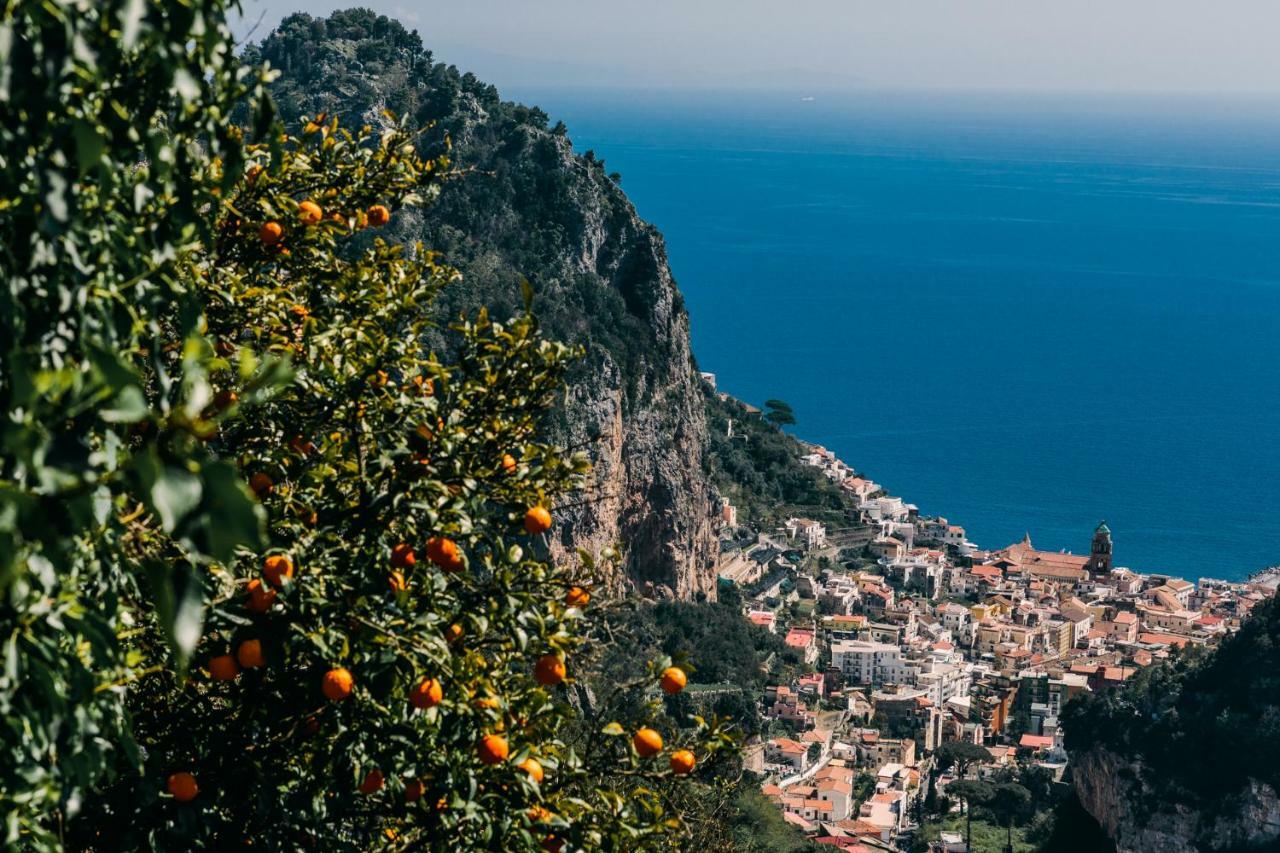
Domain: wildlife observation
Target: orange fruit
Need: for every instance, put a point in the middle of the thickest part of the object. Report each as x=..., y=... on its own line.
x=261, y=484
x=250, y=654
x=310, y=213
x=508, y=463
x=549, y=671
x=427, y=694
x=673, y=680
x=453, y=633
x=337, y=684
x=486, y=703
x=223, y=668
x=372, y=782
x=538, y=814
x=260, y=597
x=277, y=567
x=183, y=786
x=309, y=517
x=424, y=384
x=413, y=790
x=397, y=582
x=537, y=520
x=444, y=553
x=493, y=749
x=682, y=762
x=378, y=215
x=577, y=597
x=647, y=742
x=224, y=399
x=533, y=768
x=402, y=557
x=270, y=233
x=301, y=446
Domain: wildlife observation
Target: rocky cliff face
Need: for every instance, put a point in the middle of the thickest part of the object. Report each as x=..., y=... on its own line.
x=529, y=206
x=1113, y=790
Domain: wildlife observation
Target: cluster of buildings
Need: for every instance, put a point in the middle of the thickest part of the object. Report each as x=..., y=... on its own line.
x=922, y=638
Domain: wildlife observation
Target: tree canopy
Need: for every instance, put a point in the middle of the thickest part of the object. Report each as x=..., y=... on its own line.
x=274, y=570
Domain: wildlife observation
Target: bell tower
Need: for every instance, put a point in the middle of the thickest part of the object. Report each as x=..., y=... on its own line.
x=1100, y=551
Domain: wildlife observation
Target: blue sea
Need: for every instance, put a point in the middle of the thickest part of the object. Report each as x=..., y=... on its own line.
x=1024, y=314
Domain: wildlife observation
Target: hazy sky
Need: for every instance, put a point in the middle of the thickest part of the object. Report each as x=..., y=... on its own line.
x=1200, y=46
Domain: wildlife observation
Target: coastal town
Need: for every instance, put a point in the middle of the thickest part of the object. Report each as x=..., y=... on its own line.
x=927, y=660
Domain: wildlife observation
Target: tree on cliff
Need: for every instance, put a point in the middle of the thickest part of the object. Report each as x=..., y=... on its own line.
x=273, y=571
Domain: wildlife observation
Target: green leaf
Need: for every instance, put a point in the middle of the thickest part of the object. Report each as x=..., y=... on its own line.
x=234, y=517
x=129, y=406
x=174, y=494
x=179, y=599
x=89, y=145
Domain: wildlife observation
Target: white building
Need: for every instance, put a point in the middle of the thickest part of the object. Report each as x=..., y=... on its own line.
x=811, y=534
x=864, y=662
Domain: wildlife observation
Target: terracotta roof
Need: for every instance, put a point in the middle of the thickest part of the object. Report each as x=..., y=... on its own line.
x=1036, y=741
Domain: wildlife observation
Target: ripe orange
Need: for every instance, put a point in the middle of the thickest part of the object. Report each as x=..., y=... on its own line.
x=453, y=633
x=261, y=484
x=224, y=399
x=277, y=567
x=260, y=597
x=537, y=520
x=397, y=582
x=533, y=768
x=647, y=742
x=413, y=790
x=508, y=463
x=577, y=597
x=337, y=684
x=250, y=654
x=310, y=213
x=427, y=694
x=270, y=233
x=549, y=671
x=183, y=786
x=444, y=553
x=682, y=762
x=493, y=749
x=402, y=557
x=373, y=782
x=379, y=215
x=538, y=814
x=301, y=446
x=223, y=668
x=673, y=680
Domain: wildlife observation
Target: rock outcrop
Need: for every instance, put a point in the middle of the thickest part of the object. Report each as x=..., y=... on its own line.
x=1114, y=791
x=529, y=206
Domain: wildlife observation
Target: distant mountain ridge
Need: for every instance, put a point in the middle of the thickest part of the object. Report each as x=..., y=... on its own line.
x=532, y=207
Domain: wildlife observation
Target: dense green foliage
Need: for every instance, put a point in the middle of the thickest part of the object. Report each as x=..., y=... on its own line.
x=1219, y=710
x=104, y=192
x=757, y=468
x=273, y=570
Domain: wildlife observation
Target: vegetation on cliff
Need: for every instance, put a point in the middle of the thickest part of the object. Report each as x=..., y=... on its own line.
x=1217, y=711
